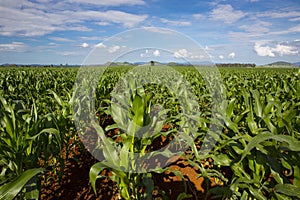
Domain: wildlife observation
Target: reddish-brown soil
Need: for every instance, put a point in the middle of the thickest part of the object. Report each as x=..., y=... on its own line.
x=74, y=181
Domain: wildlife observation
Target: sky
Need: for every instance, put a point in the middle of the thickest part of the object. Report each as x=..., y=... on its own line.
x=229, y=31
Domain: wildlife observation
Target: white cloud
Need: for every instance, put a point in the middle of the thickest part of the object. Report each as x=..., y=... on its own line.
x=207, y=48
x=263, y=49
x=295, y=19
x=285, y=50
x=259, y=27
x=93, y=38
x=156, y=53
x=181, y=53
x=294, y=29
x=32, y=19
x=198, y=16
x=226, y=13
x=113, y=49
x=284, y=14
x=109, y=2
x=221, y=56
x=150, y=53
x=14, y=46
x=126, y=19
x=231, y=55
x=146, y=54
x=71, y=53
x=158, y=30
x=100, y=45
x=67, y=53
x=61, y=39
x=103, y=23
x=84, y=45
x=175, y=23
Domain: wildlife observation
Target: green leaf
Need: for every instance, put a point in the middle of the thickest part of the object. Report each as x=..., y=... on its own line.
x=149, y=186
x=11, y=190
x=258, y=109
x=10, y=129
x=288, y=189
x=297, y=176
x=230, y=108
x=56, y=97
x=94, y=171
x=109, y=151
x=267, y=136
x=117, y=114
x=222, y=159
x=257, y=193
x=231, y=124
x=138, y=108
x=184, y=195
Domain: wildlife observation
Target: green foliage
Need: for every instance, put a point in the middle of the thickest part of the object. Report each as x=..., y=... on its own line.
x=256, y=156
x=132, y=114
x=33, y=129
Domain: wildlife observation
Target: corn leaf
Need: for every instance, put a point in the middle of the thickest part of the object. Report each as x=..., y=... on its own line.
x=10, y=190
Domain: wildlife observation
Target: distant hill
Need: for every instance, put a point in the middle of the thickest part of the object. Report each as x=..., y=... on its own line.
x=281, y=64
x=297, y=64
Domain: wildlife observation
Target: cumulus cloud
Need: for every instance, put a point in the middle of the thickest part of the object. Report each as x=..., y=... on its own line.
x=126, y=19
x=145, y=55
x=258, y=27
x=84, y=45
x=61, y=39
x=26, y=18
x=221, y=56
x=175, y=23
x=231, y=55
x=14, y=46
x=67, y=53
x=158, y=30
x=150, y=53
x=181, y=53
x=285, y=50
x=263, y=49
x=226, y=13
x=279, y=14
x=156, y=53
x=295, y=19
x=109, y=2
x=103, y=23
x=114, y=49
x=100, y=45
x=198, y=16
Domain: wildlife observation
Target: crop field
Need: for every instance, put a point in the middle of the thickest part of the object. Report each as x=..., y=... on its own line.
x=47, y=150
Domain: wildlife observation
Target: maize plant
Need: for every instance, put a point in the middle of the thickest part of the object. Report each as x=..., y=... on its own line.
x=138, y=122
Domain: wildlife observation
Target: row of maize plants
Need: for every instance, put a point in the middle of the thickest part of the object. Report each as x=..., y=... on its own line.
x=255, y=152
x=36, y=124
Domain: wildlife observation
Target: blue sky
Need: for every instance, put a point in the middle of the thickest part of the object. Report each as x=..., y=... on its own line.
x=64, y=32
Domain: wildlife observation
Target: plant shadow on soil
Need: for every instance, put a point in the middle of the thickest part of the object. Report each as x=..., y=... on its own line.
x=74, y=183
